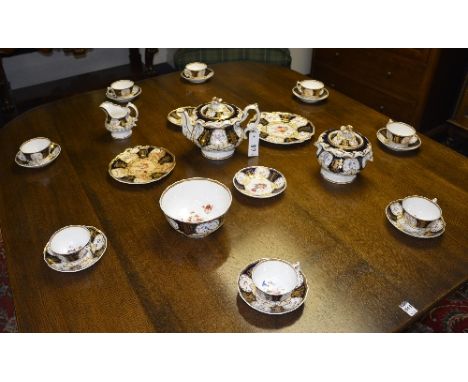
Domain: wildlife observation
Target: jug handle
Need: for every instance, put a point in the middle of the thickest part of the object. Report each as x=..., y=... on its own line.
x=133, y=107
x=251, y=125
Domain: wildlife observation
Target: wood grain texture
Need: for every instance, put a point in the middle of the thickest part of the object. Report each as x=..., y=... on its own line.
x=152, y=278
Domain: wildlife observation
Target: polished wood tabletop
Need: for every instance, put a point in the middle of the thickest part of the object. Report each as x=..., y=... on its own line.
x=358, y=266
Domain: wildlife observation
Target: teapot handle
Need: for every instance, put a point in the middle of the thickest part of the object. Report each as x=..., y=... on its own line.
x=133, y=107
x=251, y=125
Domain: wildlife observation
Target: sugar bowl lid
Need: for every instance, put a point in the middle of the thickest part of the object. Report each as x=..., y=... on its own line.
x=216, y=110
x=346, y=139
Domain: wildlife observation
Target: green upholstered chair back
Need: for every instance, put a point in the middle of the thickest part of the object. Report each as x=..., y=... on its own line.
x=277, y=56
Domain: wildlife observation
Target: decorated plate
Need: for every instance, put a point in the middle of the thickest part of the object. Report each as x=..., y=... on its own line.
x=394, y=213
x=284, y=128
x=310, y=99
x=97, y=249
x=198, y=80
x=55, y=150
x=174, y=118
x=298, y=295
x=382, y=137
x=259, y=182
x=142, y=164
x=136, y=91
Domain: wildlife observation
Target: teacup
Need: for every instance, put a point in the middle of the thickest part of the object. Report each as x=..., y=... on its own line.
x=195, y=70
x=423, y=213
x=401, y=133
x=311, y=88
x=70, y=243
x=274, y=279
x=35, y=149
x=121, y=88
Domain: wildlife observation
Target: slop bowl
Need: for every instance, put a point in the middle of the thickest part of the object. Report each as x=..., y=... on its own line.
x=196, y=207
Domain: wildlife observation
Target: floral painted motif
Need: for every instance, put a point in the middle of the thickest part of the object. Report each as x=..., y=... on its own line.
x=284, y=128
x=259, y=181
x=206, y=228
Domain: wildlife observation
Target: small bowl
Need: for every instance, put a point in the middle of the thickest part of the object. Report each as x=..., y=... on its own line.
x=196, y=207
x=275, y=279
x=35, y=149
x=70, y=243
x=421, y=212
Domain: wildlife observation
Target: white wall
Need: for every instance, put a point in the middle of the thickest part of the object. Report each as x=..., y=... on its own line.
x=301, y=59
x=35, y=68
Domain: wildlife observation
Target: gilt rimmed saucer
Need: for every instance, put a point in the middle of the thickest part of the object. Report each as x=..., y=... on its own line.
x=142, y=165
x=381, y=136
x=174, y=118
x=394, y=214
x=136, y=91
x=55, y=150
x=259, y=182
x=198, y=80
x=94, y=254
x=283, y=128
x=306, y=99
x=298, y=295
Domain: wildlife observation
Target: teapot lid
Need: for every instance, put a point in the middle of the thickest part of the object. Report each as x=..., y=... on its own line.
x=216, y=110
x=345, y=138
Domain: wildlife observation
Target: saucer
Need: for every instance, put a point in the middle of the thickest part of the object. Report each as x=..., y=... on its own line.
x=284, y=128
x=395, y=146
x=306, y=99
x=210, y=73
x=394, y=212
x=298, y=295
x=136, y=91
x=142, y=164
x=259, y=182
x=21, y=160
x=98, y=247
x=174, y=118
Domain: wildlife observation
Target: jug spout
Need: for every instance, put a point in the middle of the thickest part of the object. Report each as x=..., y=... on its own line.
x=114, y=111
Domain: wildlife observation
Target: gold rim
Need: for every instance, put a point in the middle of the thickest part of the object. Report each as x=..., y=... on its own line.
x=152, y=180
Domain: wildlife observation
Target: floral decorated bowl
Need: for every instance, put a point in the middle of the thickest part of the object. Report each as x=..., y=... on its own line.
x=195, y=207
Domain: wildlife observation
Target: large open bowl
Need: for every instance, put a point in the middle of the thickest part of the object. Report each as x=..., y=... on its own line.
x=196, y=206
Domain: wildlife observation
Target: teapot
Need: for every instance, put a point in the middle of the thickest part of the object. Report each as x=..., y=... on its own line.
x=119, y=119
x=342, y=154
x=216, y=128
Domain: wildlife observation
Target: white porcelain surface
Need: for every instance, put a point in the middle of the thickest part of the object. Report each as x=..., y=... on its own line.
x=311, y=84
x=401, y=129
x=274, y=277
x=122, y=84
x=69, y=239
x=196, y=200
x=421, y=208
x=196, y=66
x=35, y=145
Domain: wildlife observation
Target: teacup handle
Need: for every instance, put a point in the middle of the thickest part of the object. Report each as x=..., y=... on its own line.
x=187, y=73
x=435, y=200
x=390, y=121
x=111, y=91
x=298, y=85
x=134, y=108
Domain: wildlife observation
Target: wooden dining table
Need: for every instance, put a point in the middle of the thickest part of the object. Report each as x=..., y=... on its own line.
x=359, y=268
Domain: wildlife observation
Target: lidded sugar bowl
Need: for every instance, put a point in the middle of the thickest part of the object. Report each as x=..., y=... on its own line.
x=216, y=128
x=342, y=154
